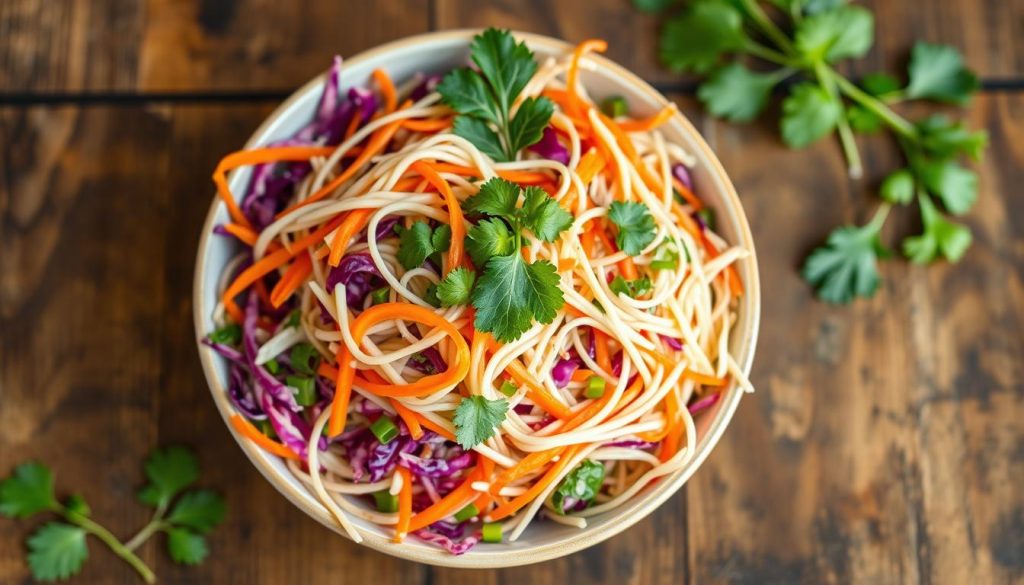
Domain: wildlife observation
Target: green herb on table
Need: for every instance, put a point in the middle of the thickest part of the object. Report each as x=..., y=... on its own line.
x=484, y=99
x=57, y=550
x=805, y=41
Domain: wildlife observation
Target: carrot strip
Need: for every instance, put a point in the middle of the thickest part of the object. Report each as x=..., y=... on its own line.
x=581, y=375
x=354, y=223
x=602, y=351
x=257, y=156
x=525, y=466
x=688, y=195
x=404, y=505
x=293, y=278
x=387, y=89
x=703, y=379
x=565, y=264
x=486, y=467
x=342, y=392
x=628, y=268
x=409, y=418
x=454, y=212
x=245, y=235
x=353, y=124
x=247, y=430
x=431, y=125
x=447, y=505
x=539, y=486
x=591, y=164
x=647, y=124
x=431, y=425
x=573, y=101
x=537, y=393
x=521, y=177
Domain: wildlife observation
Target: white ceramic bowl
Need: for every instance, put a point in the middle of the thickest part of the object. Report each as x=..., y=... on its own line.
x=437, y=53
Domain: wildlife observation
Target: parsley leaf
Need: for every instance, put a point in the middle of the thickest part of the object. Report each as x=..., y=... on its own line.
x=527, y=126
x=465, y=92
x=636, y=226
x=200, y=510
x=581, y=485
x=696, y=38
x=511, y=294
x=898, y=187
x=736, y=93
x=169, y=471
x=956, y=186
x=808, y=114
x=631, y=288
x=836, y=34
x=480, y=134
x=28, y=491
x=937, y=72
x=186, y=547
x=56, y=551
x=490, y=237
x=456, y=286
x=943, y=138
x=845, y=267
x=476, y=419
x=941, y=235
x=543, y=215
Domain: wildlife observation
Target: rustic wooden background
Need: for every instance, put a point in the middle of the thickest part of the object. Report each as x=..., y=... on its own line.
x=885, y=443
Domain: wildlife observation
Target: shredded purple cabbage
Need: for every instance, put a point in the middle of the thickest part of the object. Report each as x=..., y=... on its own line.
x=452, y=546
x=704, y=403
x=562, y=371
x=682, y=173
x=359, y=275
x=550, y=147
x=437, y=468
x=428, y=84
x=631, y=444
x=672, y=342
x=241, y=394
x=225, y=351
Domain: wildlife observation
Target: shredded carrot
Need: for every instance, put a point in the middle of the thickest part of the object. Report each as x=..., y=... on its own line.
x=602, y=351
x=652, y=182
x=447, y=505
x=293, y=278
x=628, y=268
x=565, y=264
x=454, y=212
x=521, y=177
x=647, y=124
x=342, y=392
x=588, y=239
x=244, y=234
x=590, y=164
x=404, y=505
x=581, y=375
x=257, y=156
x=606, y=241
x=538, y=486
x=247, y=430
x=426, y=422
x=524, y=467
x=688, y=195
x=409, y=418
x=354, y=223
x=486, y=467
x=429, y=125
x=573, y=101
x=353, y=124
x=387, y=89
x=703, y=379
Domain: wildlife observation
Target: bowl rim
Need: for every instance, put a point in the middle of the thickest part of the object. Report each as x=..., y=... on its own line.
x=585, y=537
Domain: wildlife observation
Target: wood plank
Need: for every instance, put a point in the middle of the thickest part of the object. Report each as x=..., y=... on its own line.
x=168, y=45
x=880, y=447
x=101, y=211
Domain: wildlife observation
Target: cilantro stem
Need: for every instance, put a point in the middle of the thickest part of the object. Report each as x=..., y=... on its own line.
x=894, y=120
x=155, y=524
x=855, y=167
x=768, y=54
x=111, y=541
x=767, y=26
x=881, y=215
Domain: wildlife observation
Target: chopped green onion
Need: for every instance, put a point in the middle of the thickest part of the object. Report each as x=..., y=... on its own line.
x=230, y=334
x=707, y=215
x=664, y=264
x=305, y=389
x=294, y=318
x=508, y=388
x=614, y=106
x=492, y=532
x=466, y=513
x=386, y=501
x=595, y=387
x=380, y=295
x=305, y=358
x=384, y=429
x=273, y=366
x=266, y=428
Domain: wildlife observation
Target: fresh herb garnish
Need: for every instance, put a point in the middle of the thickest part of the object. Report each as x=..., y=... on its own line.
x=58, y=549
x=456, y=287
x=484, y=100
x=636, y=226
x=807, y=41
x=419, y=242
x=581, y=485
x=476, y=419
x=230, y=334
x=631, y=288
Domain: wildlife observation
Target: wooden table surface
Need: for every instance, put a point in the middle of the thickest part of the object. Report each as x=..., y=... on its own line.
x=885, y=443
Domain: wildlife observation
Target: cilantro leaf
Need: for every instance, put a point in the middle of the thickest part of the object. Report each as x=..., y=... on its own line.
x=955, y=185
x=937, y=72
x=696, y=38
x=511, y=294
x=878, y=84
x=631, y=288
x=581, y=485
x=28, y=491
x=186, y=547
x=846, y=266
x=862, y=119
x=845, y=32
x=818, y=6
x=527, y=127
x=898, y=187
x=941, y=235
x=490, y=237
x=56, y=551
x=441, y=239
x=506, y=64
x=495, y=197
x=943, y=138
x=736, y=93
x=476, y=419
x=636, y=226
x=199, y=510
x=76, y=504
x=414, y=245
x=465, y=92
x=543, y=216
x=480, y=134
x=456, y=286
x=169, y=470
x=808, y=114
x=653, y=5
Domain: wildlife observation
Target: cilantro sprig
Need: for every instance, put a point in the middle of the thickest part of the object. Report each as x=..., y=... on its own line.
x=484, y=99
x=804, y=41
x=57, y=550
x=476, y=419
